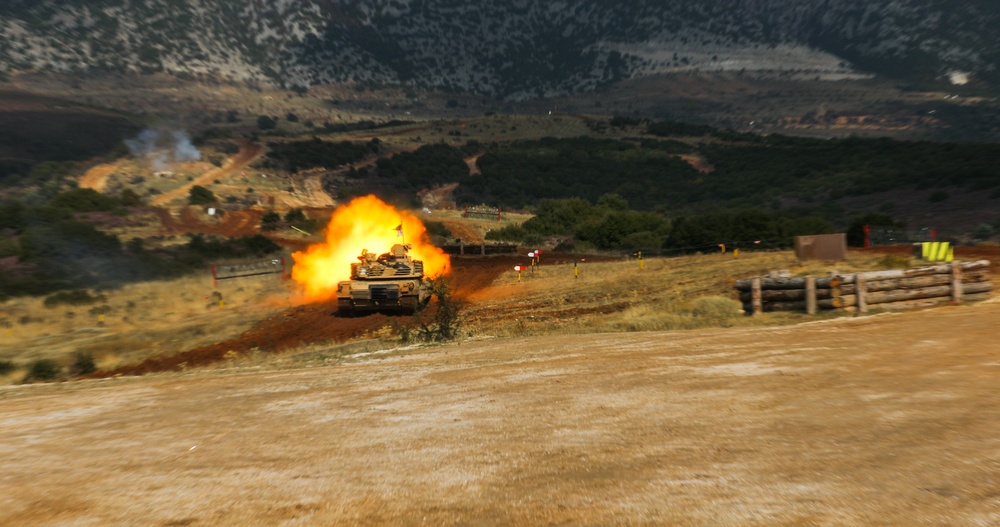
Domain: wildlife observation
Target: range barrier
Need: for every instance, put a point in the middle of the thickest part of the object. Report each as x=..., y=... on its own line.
x=483, y=212
x=478, y=249
x=246, y=268
x=897, y=289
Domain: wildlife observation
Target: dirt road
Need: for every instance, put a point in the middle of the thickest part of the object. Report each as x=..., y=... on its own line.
x=248, y=152
x=882, y=420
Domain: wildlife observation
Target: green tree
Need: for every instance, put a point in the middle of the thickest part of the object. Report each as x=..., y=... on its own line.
x=295, y=216
x=84, y=200
x=270, y=220
x=266, y=123
x=199, y=195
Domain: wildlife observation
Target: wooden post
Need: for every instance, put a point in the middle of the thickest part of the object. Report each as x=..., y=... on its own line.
x=461, y=247
x=811, y=295
x=861, y=290
x=482, y=249
x=956, y=281
x=758, y=305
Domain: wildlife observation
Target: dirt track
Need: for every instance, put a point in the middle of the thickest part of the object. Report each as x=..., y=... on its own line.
x=885, y=420
x=248, y=152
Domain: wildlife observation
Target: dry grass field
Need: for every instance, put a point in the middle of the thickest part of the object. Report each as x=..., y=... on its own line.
x=181, y=318
x=134, y=322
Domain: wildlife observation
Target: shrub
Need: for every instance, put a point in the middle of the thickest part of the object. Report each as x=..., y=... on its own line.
x=441, y=321
x=6, y=367
x=199, y=195
x=270, y=220
x=436, y=228
x=295, y=215
x=75, y=297
x=42, y=370
x=84, y=200
x=266, y=123
x=83, y=363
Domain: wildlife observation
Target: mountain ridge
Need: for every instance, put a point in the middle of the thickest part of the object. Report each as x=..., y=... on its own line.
x=510, y=49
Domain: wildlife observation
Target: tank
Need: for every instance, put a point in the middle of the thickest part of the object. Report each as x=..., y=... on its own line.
x=387, y=282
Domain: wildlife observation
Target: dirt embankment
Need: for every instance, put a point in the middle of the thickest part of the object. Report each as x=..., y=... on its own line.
x=97, y=177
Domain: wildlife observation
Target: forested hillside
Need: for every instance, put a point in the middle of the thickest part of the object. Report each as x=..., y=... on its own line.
x=507, y=49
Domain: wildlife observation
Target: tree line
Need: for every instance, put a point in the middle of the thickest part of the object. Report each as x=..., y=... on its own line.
x=609, y=224
x=50, y=246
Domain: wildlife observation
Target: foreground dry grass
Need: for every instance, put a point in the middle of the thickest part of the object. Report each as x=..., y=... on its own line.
x=883, y=420
x=619, y=295
x=135, y=322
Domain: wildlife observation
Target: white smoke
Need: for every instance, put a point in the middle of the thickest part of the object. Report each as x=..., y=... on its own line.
x=958, y=78
x=162, y=147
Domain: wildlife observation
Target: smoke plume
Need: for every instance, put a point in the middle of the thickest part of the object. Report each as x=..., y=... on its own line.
x=162, y=147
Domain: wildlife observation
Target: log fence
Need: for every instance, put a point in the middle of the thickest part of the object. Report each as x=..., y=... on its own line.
x=896, y=289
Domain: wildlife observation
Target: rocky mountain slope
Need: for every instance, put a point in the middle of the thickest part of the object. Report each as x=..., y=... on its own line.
x=505, y=48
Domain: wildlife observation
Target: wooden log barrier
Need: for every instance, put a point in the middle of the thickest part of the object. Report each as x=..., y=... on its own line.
x=916, y=282
x=786, y=283
x=927, y=302
x=941, y=292
x=785, y=295
x=929, y=285
x=873, y=276
x=797, y=305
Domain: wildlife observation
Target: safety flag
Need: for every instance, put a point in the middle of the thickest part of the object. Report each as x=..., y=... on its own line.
x=399, y=230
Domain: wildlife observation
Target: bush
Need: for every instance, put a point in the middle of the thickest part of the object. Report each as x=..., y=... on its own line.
x=266, y=123
x=83, y=363
x=199, y=195
x=42, y=370
x=270, y=220
x=295, y=215
x=6, y=367
x=76, y=297
x=439, y=322
x=436, y=228
x=85, y=200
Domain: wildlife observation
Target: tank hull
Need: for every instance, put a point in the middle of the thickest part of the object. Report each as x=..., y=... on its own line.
x=366, y=297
